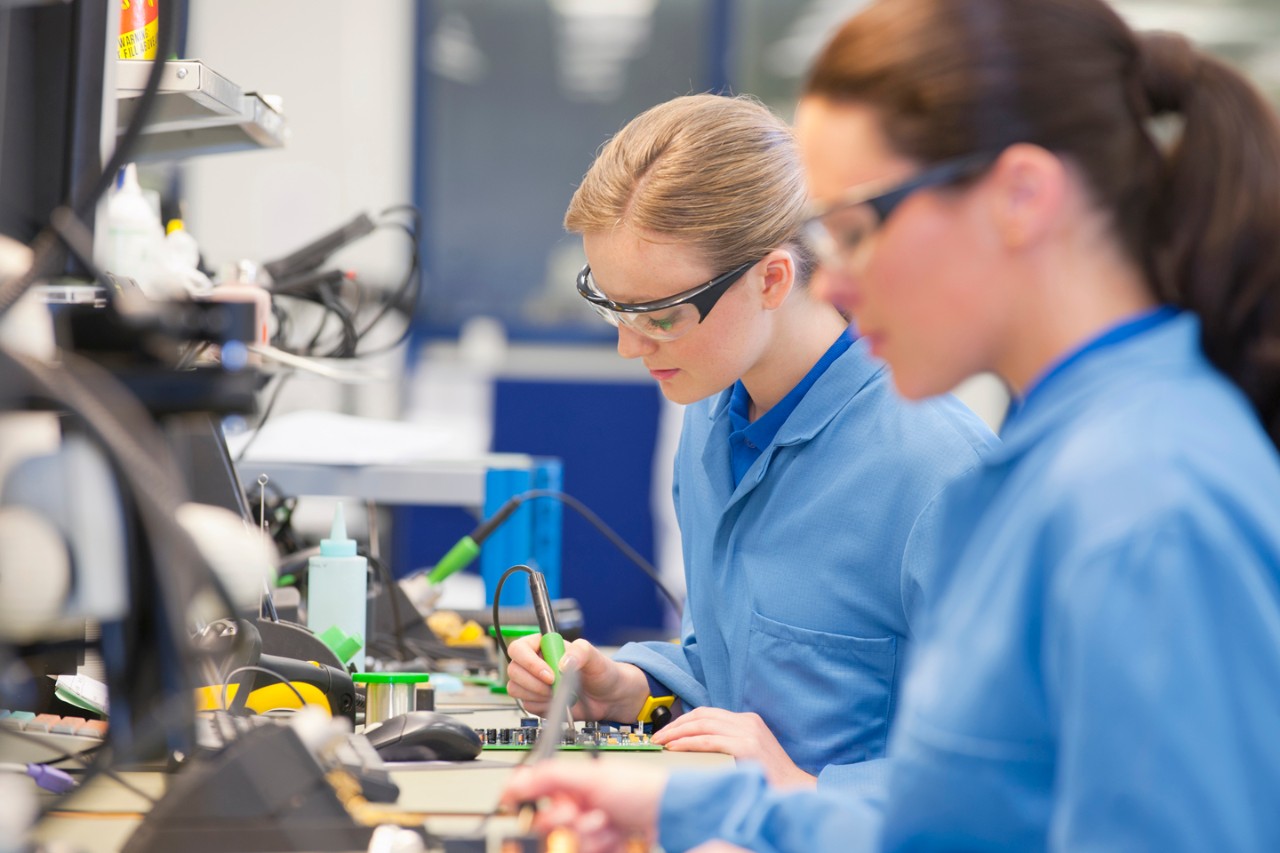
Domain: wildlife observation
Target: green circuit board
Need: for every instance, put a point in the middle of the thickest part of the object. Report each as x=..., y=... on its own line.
x=586, y=737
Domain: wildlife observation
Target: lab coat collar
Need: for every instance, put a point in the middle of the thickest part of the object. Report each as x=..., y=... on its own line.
x=853, y=369
x=835, y=389
x=1170, y=348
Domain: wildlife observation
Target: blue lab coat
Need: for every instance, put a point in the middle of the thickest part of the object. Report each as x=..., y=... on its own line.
x=804, y=578
x=1103, y=670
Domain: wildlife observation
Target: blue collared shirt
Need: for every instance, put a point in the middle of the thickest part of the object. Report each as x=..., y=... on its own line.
x=804, y=577
x=1119, y=333
x=1103, y=669
x=748, y=439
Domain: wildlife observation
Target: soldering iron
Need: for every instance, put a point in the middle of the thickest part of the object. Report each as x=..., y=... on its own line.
x=468, y=547
x=552, y=644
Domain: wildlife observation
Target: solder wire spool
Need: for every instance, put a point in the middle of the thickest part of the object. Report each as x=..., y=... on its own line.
x=389, y=694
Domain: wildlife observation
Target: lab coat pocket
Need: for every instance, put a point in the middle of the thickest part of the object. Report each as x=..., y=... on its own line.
x=826, y=696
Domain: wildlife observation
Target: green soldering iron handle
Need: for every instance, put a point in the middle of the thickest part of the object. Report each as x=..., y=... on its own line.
x=552, y=648
x=459, y=557
x=468, y=547
x=552, y=644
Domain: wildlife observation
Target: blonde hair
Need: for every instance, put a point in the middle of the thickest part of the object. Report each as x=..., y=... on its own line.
x=721, y=174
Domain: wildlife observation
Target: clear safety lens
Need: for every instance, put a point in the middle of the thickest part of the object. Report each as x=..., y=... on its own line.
x=842, y=238
x=663, y=325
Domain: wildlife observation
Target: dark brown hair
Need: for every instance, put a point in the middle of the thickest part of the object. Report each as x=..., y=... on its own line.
x=1199, y=213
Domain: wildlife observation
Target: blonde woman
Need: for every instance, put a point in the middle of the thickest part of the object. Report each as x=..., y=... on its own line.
x=803, y=485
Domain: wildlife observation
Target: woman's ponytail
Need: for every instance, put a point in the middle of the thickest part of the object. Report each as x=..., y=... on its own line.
x=1216, y=238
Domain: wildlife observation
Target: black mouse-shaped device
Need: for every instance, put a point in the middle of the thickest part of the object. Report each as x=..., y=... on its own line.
x=424, y=736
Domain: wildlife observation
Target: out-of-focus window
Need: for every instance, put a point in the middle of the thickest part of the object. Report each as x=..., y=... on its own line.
x=514, y=99
x=516, y=96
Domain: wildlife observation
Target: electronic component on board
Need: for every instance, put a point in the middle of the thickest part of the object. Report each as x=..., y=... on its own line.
x=584, y=736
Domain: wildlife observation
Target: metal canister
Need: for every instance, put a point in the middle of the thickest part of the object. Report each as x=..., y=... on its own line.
x=388, y=694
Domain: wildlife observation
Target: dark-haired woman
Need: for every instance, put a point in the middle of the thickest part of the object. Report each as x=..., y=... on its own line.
x=1103, y=671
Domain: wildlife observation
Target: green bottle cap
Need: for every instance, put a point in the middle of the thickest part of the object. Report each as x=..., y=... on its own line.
x=390, y=677
x=341, y=643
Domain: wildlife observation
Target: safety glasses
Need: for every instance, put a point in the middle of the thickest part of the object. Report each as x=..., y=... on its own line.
x=839, y=231
x=661, y=319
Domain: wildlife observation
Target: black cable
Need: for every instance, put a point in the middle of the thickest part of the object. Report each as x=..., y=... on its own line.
x=150, y=739
x=357, y=290
x=79, y=758
x=412, y=277
x=405, y=208
x=267, y=609
x=389, y=581
x=497, y=595
x=305, y=285
x=193, y=352
x=266, y=413
x=226, y=681
x=283, y=324
x=609, y=533
x=346, y=347
x=59, y=757
x=324, y=322
x=284, y=328
x=318, y=287
x=322, y=289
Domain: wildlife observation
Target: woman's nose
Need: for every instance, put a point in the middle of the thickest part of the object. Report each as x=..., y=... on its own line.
x=835, y=286
x=632, y=344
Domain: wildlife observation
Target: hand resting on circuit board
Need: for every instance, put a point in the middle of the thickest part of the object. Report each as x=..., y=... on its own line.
x=744, y=735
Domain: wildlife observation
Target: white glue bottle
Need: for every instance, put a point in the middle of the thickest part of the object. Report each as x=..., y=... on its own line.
x=337, y=587
x=135, y=238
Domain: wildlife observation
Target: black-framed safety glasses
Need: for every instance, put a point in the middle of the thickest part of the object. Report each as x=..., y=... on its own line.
x=839, y=230
x=661, y=319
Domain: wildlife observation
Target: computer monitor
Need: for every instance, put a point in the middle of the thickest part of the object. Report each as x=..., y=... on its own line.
x=52, y=93
x=206, y=464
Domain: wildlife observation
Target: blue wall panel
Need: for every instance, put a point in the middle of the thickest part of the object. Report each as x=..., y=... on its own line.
x=604, y=433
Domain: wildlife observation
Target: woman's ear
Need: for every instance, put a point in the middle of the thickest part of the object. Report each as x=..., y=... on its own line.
x=1027, y=186
x=779, y=268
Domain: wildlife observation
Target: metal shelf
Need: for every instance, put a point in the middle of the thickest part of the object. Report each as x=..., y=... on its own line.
x=197, y=111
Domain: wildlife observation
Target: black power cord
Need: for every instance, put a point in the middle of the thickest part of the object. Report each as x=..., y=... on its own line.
x=609, y=533
x=462, y=553
x=497, y=596
x=226, y=682
x=281, y=380
x=299, y=276
x=79, y=758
